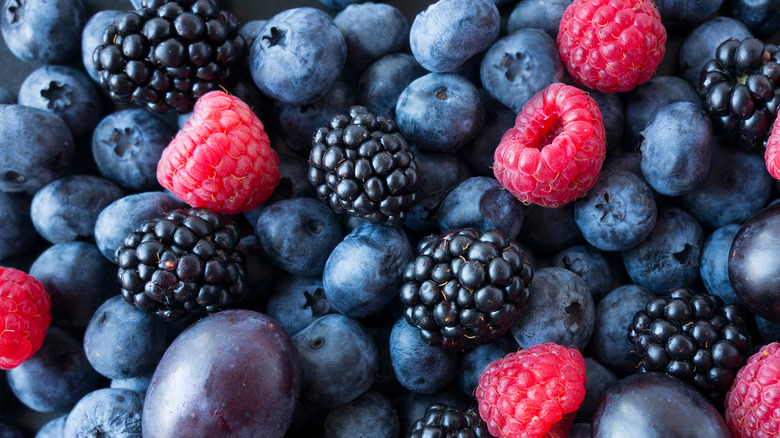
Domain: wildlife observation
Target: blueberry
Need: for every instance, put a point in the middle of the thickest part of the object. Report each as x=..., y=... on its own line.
x=56, y=376
x=18, y=230
x=761, y=16
x=474, y=362
x=124, y=215
x=371, y=414
x=364, y=271
x=359, y=23
x=714, y=265
x=561, y=296
x=91, y=36
x=676, y=148
x=67, y=208
x=439, y=112
x=737, y=185
x=617, y=213
x=36, y=148
x=54, y=428
x=676, y=14
x=700, y=44
x=419, y=367
x=296, y=301
x=669, y=256
x=648, y=97
x=380, y=85
x=613, y=115
x=68, y=92
x=339, y=4
x=480, y=202
x=78, y=279
x=519, y=65
x=115, y=412
x=339, y=360
x=449, y=32
x=127, y=145
x=42, y=31
x=122, y=342
x=590, y=264
x=6, y=96
x=10, y=431
x=478, y=153
x=540, y=14
x=298, y=234
x=598, y=380
x=138, y=383
x=298, y=55
x=549, y=230
x=251, y=30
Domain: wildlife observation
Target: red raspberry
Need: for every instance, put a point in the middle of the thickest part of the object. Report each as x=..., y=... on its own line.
x=554, y=152
x=753, y=402
x=221, y=159
x=611, y=45
x=772, y=152
x=24, y=316
x=525, y=393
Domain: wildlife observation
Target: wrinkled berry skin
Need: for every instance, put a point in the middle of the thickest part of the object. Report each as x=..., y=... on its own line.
x=42, y=31
x=417, y=366
x=115, y=412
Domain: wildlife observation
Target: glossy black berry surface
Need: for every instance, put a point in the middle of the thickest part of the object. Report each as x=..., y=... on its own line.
x=450, y=421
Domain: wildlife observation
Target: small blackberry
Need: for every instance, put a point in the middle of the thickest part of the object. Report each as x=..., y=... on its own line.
x=168, y=53
x=361, y=165
x=185, y=262
x=465, y=287
x=442, y=420
x=740, y=89
x=696, y=338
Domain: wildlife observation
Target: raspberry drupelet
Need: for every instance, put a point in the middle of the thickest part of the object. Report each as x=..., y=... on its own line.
x=25, y=315
x=753, y=401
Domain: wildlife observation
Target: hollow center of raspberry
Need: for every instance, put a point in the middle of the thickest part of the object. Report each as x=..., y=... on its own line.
x=57, y=95
x=546, y=136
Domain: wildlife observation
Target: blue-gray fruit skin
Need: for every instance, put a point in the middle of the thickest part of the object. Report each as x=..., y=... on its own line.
x=700, y=44
x=561, y=296
x=761, y=16
x=478, y=153
x=713, y=268
x=610, y=344
x=449, y=32
x=676, y=148
x=91, y=36
x=480, y=202
x=549, y=230
x=590, y=264
x=18, y=230
x=540, y=14
x=339, y=360
x=66, y=209
x=359, y=23
x=36, y=148
x=296, y=301
x=54, y=428
x=382, y=82
x=115, y=412
x=598, y=380
x=519, y=65
x=371, y=414
x=364, y=271
x=420, y=367
x=669, y=256
x=681, y=14
x=298, y=55
x=648, y=97
x=440, y=112
x=43, y=31
x=654, y=405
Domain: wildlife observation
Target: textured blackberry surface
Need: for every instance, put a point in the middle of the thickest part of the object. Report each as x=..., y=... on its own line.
x=185, y=262
x=694, y=337
x=442, y=420
x=361, y=165
x=466, y=287
x=168, y=53
x=739, y=88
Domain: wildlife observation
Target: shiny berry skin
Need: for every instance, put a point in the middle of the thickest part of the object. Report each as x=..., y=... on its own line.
x=24, y=316
x=752, y=402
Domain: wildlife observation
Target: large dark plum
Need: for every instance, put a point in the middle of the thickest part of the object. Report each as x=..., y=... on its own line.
x=234, y=373
x=752, y=271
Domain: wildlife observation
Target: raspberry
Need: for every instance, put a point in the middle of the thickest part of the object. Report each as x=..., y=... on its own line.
x=525, y=393
x=753, y=401
x=611, y=45
x=221, y=159
x=554, y=152
x=24, y=316
x=772, y=152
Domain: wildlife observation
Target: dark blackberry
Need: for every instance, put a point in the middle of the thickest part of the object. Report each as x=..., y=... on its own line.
x=361, y=165
x=169, y=53
x=465, y=287
x=696, y=338
x=740, y=90
x=183, y=263
x=441, y=420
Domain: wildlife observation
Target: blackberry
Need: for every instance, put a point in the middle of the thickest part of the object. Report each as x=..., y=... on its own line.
x=740, y=90
x=361, y=165
x=183, y=263
x=168, y=53
x=465, y=287
x=442, y=420
x=694, y=337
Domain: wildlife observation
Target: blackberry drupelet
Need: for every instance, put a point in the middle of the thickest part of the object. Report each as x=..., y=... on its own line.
x=361, y=165
x=465, y=287
x=694, y=337
x=168, y=53
x=185, y=262
x=449, y=421
x=740, y=89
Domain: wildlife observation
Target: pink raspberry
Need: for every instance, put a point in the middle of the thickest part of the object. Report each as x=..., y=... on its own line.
x=554, y=152
x=753, y=402
x=24, y=316
x=528, y=392
x=221, y=159
x=772, y=152
x=611, y=45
